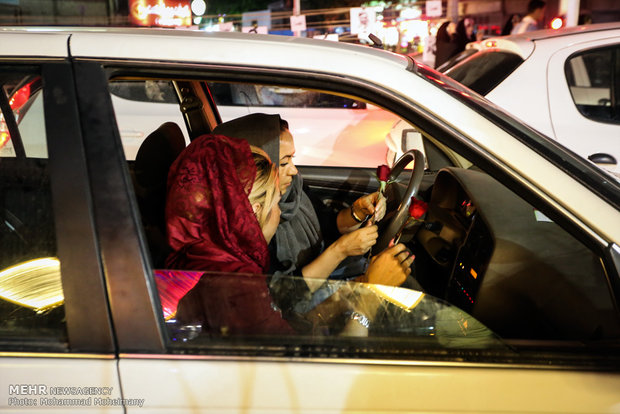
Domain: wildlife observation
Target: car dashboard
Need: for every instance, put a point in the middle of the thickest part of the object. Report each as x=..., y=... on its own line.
x=487, y=251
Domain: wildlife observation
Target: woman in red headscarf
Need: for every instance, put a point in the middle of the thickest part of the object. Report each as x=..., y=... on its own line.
x=221, y=211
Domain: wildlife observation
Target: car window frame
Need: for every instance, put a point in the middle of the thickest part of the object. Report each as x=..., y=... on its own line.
x=353, y=87
x=615, y=50
x=138, y=325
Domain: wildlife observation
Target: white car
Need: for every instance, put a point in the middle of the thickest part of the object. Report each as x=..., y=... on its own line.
x=518, y=255
x=563, y=82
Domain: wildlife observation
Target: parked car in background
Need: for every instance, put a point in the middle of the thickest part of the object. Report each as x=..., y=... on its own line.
x=518, y=255
x=565, y=83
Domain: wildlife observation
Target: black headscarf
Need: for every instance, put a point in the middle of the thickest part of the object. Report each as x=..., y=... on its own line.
x=298, y=239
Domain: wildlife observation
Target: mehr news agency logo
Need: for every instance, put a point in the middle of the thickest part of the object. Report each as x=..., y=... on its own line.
x=40, y=395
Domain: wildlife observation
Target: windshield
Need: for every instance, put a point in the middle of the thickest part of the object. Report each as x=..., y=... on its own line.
x=456, y=59
x=484, y=70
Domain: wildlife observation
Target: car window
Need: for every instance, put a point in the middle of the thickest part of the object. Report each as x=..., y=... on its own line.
x=332, y=130
x=458, y=58
x=493, y=271
x=238, y=94
x=594, y=79
x=484, y=70
x=31, y=295
x=393, y=317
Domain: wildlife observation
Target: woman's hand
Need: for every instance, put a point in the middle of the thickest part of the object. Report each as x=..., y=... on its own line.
x=368, y=205
x=351, y=218
x=358, y=242
x=390, y=267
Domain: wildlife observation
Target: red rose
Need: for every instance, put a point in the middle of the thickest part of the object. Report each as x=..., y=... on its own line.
x=417, y=208
x=383, y=172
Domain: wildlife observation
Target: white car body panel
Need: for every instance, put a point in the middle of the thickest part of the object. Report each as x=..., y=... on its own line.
x=211, y=385
x=46, y=372
x=533, y=110
x=45, y=44
x=196, y=48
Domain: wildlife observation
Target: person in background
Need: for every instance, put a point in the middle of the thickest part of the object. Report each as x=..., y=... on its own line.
x=446, y=43
x=512, y=21
x=464, y=33
x=535, y=14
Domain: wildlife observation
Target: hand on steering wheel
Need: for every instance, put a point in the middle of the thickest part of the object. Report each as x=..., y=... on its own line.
x=370, y=205
x=402, y=213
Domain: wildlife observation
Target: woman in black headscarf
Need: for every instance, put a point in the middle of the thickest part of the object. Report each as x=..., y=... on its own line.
x=299, y=246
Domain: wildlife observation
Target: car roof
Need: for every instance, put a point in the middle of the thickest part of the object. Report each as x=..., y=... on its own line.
x=179, y=45
x=523, y=44
x=583, y=30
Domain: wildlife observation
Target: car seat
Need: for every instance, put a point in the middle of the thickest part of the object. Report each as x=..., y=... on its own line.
x=153, y=160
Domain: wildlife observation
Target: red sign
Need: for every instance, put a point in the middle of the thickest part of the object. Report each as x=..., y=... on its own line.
x=168, y=13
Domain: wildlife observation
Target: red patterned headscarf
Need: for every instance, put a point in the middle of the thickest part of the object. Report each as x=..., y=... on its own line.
x=209, y=219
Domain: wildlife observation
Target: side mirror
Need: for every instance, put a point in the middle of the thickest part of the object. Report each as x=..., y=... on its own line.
x=402, y=138
x=412, y=139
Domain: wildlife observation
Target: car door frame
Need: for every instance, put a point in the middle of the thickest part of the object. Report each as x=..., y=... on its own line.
x=89, y=357
x=271, y=383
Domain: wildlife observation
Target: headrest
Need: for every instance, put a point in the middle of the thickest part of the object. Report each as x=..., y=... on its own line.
x=157, y=153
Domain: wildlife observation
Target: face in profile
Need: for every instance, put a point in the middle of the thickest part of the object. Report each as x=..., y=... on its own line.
x=286, y=167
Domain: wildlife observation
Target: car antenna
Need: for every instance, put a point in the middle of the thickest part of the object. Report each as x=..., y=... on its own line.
x=376, y=42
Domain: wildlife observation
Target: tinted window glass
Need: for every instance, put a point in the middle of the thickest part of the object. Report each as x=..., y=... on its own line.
x=329, y=129
x=31, y=296
x=485, y=70
x=157, y=91
x=594, y=79
x=456, y=59
x=277, y=96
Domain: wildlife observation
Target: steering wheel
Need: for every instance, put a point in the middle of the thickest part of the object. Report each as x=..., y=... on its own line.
x=402, y=212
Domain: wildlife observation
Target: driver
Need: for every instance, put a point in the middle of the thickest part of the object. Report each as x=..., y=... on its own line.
x=299, y=243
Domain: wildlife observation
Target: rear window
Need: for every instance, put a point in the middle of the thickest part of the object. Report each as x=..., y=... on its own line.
x=485, y=70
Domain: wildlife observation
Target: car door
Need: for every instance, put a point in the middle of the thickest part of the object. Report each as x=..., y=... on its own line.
x=582, y=87
x=57, y=348
x=182, y=367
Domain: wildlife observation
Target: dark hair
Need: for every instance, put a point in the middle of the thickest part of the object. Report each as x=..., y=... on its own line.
x=535, y=4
